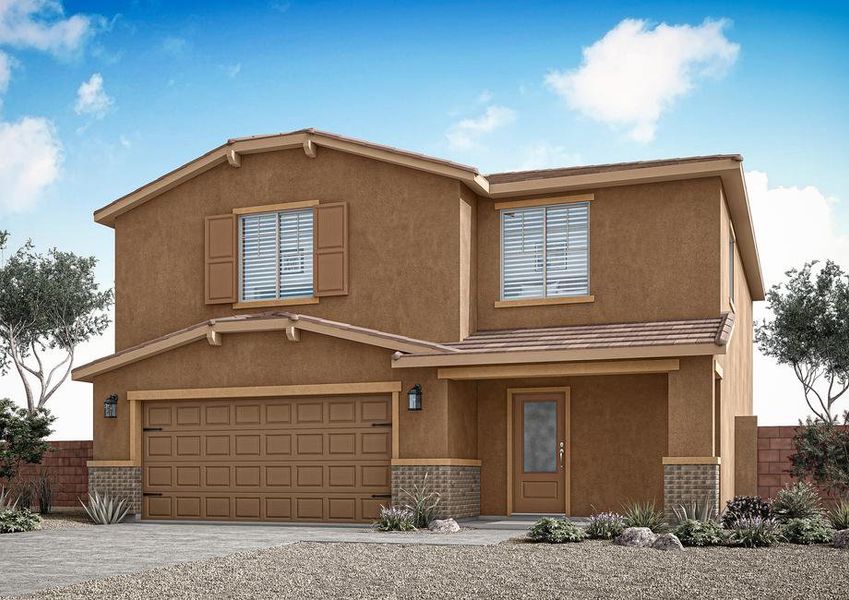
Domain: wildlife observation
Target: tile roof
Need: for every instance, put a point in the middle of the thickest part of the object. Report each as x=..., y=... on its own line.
x=658, y=333
x=512, y=176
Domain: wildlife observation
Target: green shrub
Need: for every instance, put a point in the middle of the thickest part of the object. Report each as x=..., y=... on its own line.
x=644, y=514
x=745, y=507
x=754, y=532
x=807, y=531
x=839, y=515
x=22, y=519
x=556, y=531
x=605, y=526
x=422, y=502
x=798, y=501
x=693, y=532
x=395, y=518
x=105, y=509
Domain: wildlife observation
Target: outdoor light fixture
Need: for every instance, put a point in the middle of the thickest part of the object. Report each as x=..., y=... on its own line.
x=414, y=398
x=110, y=407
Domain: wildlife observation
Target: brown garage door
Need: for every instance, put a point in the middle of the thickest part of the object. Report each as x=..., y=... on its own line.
x=280, y=459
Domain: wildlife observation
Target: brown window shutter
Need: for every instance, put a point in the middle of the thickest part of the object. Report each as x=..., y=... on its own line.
x=330, y=269
x=220, y=259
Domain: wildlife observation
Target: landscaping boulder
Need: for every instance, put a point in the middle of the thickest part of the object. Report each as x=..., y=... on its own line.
x=841, y=539
x=636, y=537
x=444, y=526
x=667, y=541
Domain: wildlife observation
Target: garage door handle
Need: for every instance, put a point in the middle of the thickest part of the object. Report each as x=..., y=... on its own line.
x=387, y=424
x=151, y=428
x=152, y=494
x=381, y=496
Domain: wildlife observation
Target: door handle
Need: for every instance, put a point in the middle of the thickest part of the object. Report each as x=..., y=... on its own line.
x=562, y=451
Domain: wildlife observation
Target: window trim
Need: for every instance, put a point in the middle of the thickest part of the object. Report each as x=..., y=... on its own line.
x=270, y=209
x=732, y=250
x=545, y=299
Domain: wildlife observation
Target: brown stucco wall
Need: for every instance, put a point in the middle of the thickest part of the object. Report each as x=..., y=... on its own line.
x=404, y=245
x=618, y=440
x=654, y=255
x=254, y=359
x=691, y=408
x=736, y=385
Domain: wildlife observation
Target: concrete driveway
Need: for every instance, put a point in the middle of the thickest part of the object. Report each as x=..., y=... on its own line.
x=34, y=561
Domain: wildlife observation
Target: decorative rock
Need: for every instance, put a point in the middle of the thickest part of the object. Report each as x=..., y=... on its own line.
x=636, y=537
x=444, y=526
x=841, y=539
x=667, y=541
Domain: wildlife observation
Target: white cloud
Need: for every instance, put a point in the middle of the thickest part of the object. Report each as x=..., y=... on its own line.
x=42, y=25
x=175, y=46
x=543, y=155
x=92, y=99
x=30, y=162
x=634, y=73
x=484, y=97
x=793, y=225
x=5, y=71
x=465, y=133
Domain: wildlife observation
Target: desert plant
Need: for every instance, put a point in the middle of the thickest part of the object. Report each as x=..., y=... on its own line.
x=394, y=518
x=695, y=510
x=807, y=531
x=838, y=515
x=24, y=491
x=44, y=492
x=8, y=501
x=105, y=509
x=556, y=531
x=745, y=507
x=754, y=532
x=20, y=520
x=798, y=501
x=605, y=526
x=822, y=455
x=644, y=514
x=21, y=433
x=422, y=502
x=695, y=532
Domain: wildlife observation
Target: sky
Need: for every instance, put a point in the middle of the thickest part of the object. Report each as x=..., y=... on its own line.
x=98, y=98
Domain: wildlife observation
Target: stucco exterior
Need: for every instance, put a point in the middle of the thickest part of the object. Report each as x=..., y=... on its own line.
x=424, y=252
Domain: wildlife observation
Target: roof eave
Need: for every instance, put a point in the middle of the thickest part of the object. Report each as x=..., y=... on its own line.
x=505, y=357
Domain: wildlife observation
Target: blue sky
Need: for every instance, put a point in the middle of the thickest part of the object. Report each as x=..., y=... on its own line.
x=474, y=82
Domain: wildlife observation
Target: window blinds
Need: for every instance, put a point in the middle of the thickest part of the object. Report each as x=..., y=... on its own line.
x=545, y=251
x=277, y=255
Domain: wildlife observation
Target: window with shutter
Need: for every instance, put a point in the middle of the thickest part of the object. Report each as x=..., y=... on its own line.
x=545, y=251
x=276, y=255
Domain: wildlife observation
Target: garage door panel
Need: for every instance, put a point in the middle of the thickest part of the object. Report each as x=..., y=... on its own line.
x=284, y=459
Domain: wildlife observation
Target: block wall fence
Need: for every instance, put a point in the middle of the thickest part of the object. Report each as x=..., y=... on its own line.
x=66, y=466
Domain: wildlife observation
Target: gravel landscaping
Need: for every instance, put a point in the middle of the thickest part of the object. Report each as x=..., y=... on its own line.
x=509, y=570
x=65, y=520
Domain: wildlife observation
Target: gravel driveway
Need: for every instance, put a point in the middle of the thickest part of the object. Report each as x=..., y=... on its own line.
x=507, y=570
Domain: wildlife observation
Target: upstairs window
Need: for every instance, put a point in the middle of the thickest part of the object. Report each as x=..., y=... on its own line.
x=545, y=251
x=276, y=254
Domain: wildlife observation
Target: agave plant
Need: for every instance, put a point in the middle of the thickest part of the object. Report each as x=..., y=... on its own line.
x=422, y=503
x=644, y=514
x=694, y=510
x=7, y=501
x=105, y=509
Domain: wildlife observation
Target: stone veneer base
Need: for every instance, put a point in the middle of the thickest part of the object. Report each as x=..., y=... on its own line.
x=124, y=482
x=459, y=487
x=684, y=484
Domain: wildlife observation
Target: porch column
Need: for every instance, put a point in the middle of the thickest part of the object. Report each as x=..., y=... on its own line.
x=691, y=466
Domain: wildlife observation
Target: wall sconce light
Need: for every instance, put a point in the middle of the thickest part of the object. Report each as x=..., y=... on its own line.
x=414, y=398
x=110, y=407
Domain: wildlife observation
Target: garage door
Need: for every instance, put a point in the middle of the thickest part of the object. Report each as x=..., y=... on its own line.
x=278, y=459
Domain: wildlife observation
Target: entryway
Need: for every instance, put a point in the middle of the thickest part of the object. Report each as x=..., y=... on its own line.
x=540, y=449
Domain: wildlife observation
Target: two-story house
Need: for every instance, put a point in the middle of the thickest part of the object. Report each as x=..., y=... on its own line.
x=306, y=324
